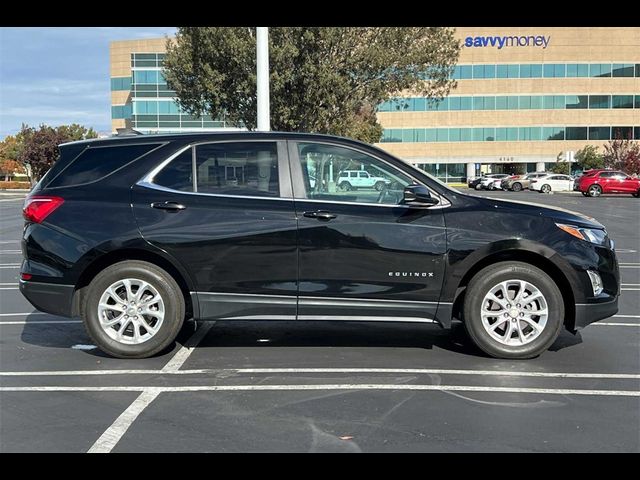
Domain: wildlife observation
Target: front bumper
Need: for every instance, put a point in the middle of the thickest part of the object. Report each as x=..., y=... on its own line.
x=50, y=298
x=587, y=313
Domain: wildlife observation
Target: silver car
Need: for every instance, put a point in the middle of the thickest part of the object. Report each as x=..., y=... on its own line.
x=520, y=182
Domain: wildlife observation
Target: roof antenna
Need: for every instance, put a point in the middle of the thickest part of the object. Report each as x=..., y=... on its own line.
x=123, y=132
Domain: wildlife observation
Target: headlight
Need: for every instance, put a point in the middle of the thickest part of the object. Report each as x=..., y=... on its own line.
x=593, y=235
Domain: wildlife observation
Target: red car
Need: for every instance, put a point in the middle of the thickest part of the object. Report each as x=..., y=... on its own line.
x=596, y=182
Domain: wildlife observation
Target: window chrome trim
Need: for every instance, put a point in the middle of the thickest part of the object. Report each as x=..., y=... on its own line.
x=202, y=194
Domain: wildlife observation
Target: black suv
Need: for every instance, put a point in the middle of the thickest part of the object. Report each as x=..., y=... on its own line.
x=134, y=234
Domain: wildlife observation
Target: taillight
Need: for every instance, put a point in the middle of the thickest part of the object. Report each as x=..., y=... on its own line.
x=38, y=207
x=25, y=276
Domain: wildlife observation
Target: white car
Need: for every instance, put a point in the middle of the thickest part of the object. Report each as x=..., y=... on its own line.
x=354, y=179
x=489, y=181
x=552, y=182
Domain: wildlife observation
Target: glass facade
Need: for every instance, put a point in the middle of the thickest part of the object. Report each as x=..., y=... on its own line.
x=153, y=104
x=545, y=70
x=511, y=102
x=505, y=134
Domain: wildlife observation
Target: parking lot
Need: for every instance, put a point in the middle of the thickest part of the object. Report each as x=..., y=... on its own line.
x=321, y=386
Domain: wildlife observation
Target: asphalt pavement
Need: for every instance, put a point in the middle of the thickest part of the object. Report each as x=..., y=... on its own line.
x=322, y=386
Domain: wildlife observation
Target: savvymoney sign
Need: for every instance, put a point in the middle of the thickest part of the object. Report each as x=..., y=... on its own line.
x=500, y=42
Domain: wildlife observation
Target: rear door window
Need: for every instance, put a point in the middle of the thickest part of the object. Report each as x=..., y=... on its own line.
x=95, y=163
x=243, y=168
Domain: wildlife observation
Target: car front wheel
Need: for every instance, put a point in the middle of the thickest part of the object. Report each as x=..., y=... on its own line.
x=516, y=187
x=133, y=309
x=513, y=310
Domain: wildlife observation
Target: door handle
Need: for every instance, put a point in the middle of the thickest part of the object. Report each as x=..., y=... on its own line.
x=169, y=206
x=320, y=215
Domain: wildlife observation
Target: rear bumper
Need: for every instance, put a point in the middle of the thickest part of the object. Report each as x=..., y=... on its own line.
x=49, y=297
x=587, y=313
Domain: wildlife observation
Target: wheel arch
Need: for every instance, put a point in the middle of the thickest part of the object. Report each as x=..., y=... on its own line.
x=103, y=261
x=526, y=256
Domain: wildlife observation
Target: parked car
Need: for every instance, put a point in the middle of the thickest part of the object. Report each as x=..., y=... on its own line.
x=520, y=182
x=488, y=180
x=136, y=234
x=552, y=182
x=354, y=179
x=474, y=182
x=596, y=182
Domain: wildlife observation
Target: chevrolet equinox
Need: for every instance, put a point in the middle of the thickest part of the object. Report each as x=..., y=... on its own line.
x=135, y=234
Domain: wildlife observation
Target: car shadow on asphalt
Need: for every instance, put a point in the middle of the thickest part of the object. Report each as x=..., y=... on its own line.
x=269, y=334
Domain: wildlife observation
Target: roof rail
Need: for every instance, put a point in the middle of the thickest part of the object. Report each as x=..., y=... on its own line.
x=127, y=131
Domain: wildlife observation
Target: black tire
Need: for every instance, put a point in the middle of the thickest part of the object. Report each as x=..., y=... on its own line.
x=594, y=191
x=585, y=194
x=490, y=276
x=379, y=186
x=346, y=186
x=516, y=187
x=636, y=194
x=546, y=188
x=166, y=286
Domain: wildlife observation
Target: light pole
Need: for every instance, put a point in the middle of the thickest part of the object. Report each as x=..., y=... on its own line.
x=262, y=73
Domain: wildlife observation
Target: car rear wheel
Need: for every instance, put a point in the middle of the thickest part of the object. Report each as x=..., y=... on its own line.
x=133, y=309
x=516, y=187
x=513, y=310
x=478, y=187
x=345, y=186
x=545, y=188
x=379, y=186
x=595, y=191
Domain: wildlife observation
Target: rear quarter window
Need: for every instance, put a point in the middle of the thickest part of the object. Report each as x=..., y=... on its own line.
x=95, y=163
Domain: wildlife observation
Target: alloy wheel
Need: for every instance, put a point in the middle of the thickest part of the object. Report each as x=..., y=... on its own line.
x=514, y=312
x=131, y=311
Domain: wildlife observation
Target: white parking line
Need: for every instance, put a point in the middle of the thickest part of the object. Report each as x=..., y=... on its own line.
x=626, y=316
x=420, y=371
x=9, y=251
x=149, y=393
x=9, y=288
x=112, y=435
x=21, y=314
x=187, y=349
x=612, y=324
x=38, y=322
x=9, y=265
x=629, y=289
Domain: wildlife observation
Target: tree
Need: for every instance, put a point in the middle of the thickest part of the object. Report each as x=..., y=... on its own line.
x=322, y=79
x=9, y=149
x=622, y=154
x=561, y=166
x=589, y=158
x=40, y=147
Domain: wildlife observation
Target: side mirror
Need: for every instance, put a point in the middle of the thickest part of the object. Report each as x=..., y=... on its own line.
x=418, y=194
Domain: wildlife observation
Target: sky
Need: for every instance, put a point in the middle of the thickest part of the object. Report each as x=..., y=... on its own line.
x=59, y=75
